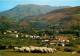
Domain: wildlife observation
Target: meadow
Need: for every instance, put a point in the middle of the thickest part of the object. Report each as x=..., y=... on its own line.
x=9, y=52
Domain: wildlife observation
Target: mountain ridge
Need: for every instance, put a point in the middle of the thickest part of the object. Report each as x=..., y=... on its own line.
x=21, y=11
x=63, y=17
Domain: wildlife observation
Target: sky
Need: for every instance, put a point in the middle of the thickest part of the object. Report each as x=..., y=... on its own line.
x=8, y=4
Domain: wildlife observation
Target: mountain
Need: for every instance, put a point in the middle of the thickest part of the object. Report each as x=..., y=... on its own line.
x=40, y=16
x=21, y=11
x=60, y=17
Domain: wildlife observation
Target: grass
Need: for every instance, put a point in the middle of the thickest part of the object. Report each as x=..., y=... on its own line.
x=66, y=35
x=33, y=21
x=9, y=52
x=62, y=48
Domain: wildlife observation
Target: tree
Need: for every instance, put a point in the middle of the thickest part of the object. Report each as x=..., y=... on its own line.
x=53, y=30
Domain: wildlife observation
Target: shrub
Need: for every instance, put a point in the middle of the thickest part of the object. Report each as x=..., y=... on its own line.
x=68, y=50
x=70, y=44
x=58, y=49
x=78, y=51
x=2, y=47
x=10, y=47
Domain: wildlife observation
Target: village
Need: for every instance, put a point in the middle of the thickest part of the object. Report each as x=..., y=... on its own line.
x=58, y=40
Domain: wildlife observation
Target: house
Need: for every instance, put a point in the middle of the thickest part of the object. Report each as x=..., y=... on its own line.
x=15, y=31
x=27, y=36
x=14, y=35
x=4, y=32
x=31, y=36
x=46, y=37
x=54, y=42
x=8, y=31
x=36, y=36
x=22, y=35
x=74, y=37
x=45, y=40
x=62, y=39
x=59, y=40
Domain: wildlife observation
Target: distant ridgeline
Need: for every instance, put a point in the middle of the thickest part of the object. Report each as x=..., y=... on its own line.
x=43, y=16
x=21, y=11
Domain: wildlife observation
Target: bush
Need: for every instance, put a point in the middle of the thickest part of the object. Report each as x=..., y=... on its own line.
x=70, y=44
x=58, y=49
x=2, y=47
x=10, y=47
x=68, y=50
x=78, y=51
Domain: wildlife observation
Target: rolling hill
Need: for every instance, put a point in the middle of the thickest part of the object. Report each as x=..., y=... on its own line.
x=21, y=11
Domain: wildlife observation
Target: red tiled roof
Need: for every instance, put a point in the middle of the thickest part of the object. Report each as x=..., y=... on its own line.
x=46, y=37
x=61, y=38
x=40, y=37
x=55, y=41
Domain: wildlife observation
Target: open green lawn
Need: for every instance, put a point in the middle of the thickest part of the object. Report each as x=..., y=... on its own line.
x=9, y=52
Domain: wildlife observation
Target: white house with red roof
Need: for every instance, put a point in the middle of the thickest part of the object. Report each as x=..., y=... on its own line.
x=62, y=39
x=59, y=40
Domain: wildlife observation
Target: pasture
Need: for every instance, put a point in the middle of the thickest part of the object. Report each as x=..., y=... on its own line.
x=9, y=52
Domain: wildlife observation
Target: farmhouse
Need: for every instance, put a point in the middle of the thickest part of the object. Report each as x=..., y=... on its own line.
x=62, y=39
x=31, y=36
x=8, y=31
x=15, y=31
x=55, y=42
x=4, y=32
x=22, y=35
x=46, y=37
x=45, y=40
x=59, y=40
x=36, y=36
x=27, y=36
x=14, y=35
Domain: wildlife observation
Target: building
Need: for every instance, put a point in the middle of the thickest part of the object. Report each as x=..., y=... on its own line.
x=14, y=35
x=27, y=36
x=15, y=31
x=45, y=40
x=62, y=39
x=8, y=31
x=59, y=41
x=4, y=32
x=54, y=42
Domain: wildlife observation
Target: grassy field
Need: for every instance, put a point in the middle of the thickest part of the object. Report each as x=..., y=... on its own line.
x=9, y=52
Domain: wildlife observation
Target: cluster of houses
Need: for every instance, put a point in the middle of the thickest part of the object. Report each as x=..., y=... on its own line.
x=9, y=31
x=58, y=40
